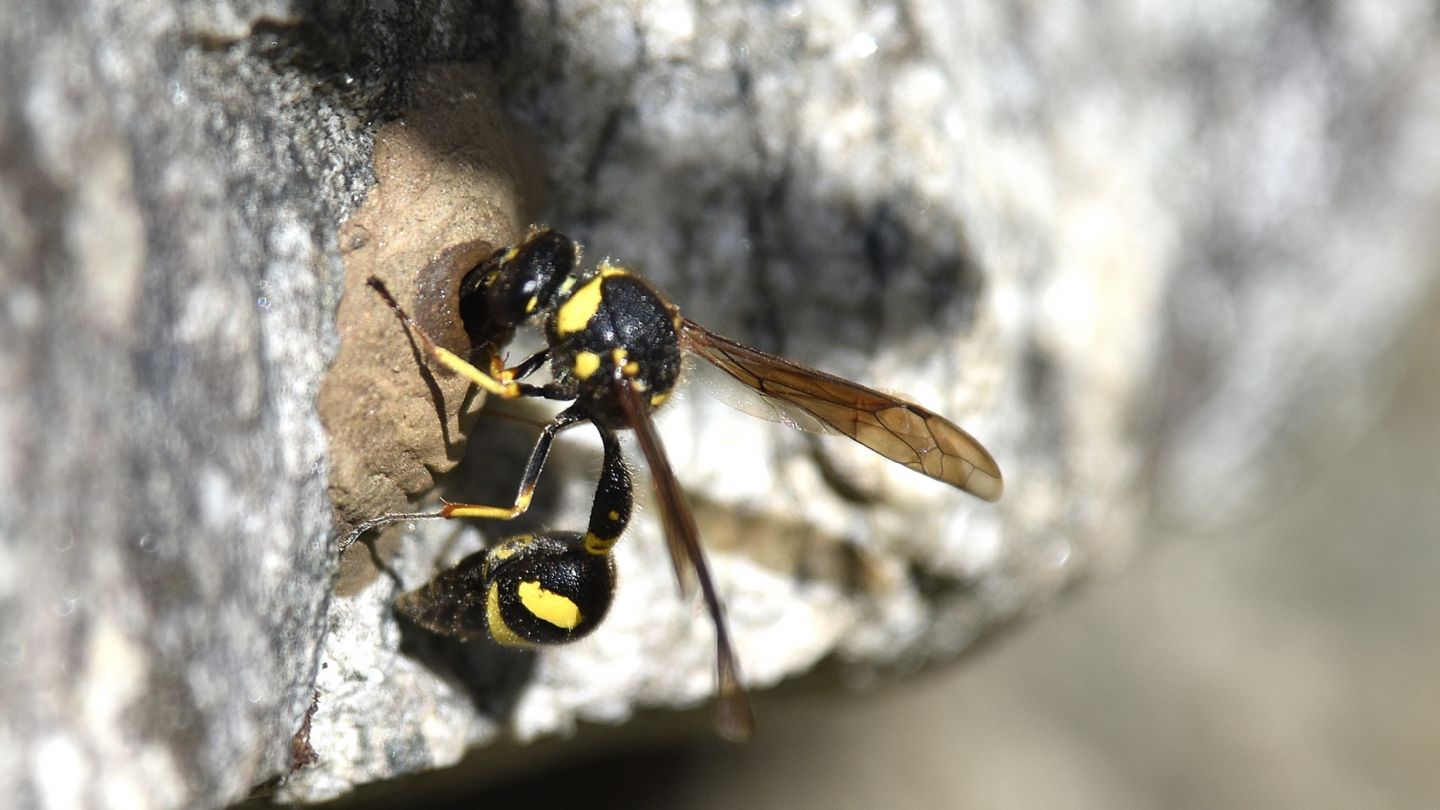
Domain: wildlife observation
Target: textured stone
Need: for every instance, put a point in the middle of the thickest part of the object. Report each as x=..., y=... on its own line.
x=169, y=272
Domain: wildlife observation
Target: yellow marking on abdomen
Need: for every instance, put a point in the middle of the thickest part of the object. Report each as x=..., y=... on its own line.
x=549, y=606
x=499, y=630
x=597, y=545
x=511, y=547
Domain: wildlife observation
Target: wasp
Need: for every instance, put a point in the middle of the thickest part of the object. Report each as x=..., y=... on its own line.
x=614, y=347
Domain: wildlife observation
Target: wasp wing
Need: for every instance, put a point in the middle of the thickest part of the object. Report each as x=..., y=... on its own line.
x=898, y=430
x=733, y=717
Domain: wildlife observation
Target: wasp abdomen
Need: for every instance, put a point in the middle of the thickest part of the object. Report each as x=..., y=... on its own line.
x=546, y=589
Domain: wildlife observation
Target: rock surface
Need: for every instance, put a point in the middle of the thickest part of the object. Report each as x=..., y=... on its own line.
x=1154, y=261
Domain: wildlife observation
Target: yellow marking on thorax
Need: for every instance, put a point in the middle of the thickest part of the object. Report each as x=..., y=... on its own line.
x=579, y=308
x=628, y=367
x=549, y=606
x=586, y=363
x=582, y=304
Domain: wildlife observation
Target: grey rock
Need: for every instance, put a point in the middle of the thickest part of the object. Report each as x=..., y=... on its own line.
x=168, y=199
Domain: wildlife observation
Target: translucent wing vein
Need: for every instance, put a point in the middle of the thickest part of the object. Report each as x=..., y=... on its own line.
x=898, y=430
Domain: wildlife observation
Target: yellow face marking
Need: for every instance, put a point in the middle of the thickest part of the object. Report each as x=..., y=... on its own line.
x=586, y=363
x=613, y=515
x=549, y=606
x=499, y=630
x=597, y=545
x=658, y=398
x=531, y=304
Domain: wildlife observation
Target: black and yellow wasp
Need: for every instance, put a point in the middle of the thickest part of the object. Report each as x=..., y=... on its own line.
x=613, y=344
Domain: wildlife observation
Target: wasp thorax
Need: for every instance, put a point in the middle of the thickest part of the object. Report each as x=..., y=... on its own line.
x=614, y=325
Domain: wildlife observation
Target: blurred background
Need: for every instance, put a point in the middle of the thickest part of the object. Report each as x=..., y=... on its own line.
x=1286, y=661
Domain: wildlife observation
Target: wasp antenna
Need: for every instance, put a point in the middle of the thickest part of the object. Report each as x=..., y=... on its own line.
x=383, y=520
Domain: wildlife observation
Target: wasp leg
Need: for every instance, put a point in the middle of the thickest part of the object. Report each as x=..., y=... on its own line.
x=507, y=389
x=546, y=391
x=524, y=368
x=528, y=479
